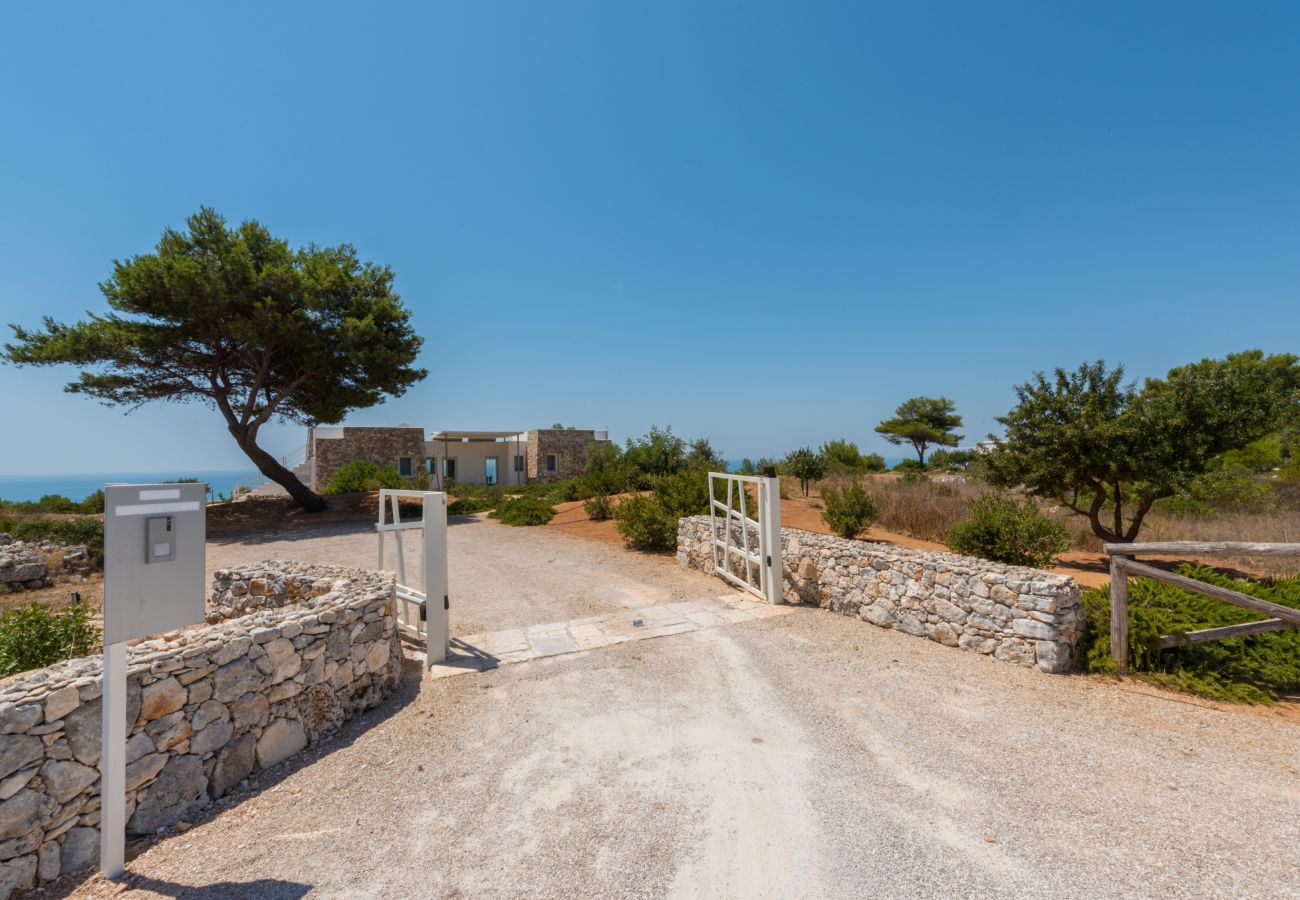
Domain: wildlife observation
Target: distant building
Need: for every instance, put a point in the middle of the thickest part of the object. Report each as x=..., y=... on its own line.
x=470, y=457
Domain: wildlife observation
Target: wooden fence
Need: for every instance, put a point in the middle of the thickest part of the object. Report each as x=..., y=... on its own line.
x=1122, y=565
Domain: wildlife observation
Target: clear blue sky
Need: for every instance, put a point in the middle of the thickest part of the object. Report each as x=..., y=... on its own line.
x=767, y=223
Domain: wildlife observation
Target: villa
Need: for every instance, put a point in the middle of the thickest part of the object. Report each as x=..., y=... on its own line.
x=469, y=457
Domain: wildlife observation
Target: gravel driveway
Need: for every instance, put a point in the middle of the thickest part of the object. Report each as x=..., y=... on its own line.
x=808, y=755
x=499, y=577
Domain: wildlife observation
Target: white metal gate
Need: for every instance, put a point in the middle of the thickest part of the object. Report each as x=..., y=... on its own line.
x=747, y=551
x=422, y=612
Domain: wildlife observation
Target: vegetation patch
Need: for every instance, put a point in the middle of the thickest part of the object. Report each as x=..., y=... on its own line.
x=599, y=508
x=850, y=512
x=34, y=636
x=1009, y=531
x=1255, y=668
x=86, y=531
x=524, y=511
x=362, y=475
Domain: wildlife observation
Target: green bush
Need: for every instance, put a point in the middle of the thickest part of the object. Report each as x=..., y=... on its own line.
x=63, y=531
x=565, y=491
x=850, y=512
x=469, y=505
x=33, y=636
x=362, y=475
x=1251, y=669
x=524, y=511
x=599, y=508
x=645, y=524
x=1007, y=531
x=685, y=494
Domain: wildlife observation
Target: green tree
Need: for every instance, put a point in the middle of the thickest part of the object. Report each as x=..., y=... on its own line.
x=607, y=471
x=235, y=319
x=805, y=464
x=1108, y=452
x=923, y=421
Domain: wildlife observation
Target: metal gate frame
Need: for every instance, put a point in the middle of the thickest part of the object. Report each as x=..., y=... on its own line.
x=415, y=614
x=766, y=558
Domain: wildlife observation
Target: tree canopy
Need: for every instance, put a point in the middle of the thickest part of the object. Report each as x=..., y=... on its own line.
x=234, y=318
x=805, y=464
x=1108, y=451
x=923, y=421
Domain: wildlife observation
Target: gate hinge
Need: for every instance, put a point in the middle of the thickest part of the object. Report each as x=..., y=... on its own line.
x=424, y=612
x=769, y=560
x=446, y=604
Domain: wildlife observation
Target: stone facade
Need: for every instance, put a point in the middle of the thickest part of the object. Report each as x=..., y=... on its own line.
x=1023, y=616
x=381, y=446
x=207, y=707
x=38, y=564
x=568, y=445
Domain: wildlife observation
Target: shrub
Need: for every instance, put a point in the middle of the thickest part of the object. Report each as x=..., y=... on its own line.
x=1251, y=669
x=362, y=475
x=524, y=511
x=599, y=508
x=34, y=636
x=850, y=512
x=645, y=524
x=1007, y=531
x=684, y=494
x=467, y=506
x=565, y=491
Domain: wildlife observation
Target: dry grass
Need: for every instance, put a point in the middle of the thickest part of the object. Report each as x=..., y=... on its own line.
x=927, y=509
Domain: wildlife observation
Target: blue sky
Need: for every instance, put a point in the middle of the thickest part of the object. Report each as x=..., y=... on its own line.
x=764, y=223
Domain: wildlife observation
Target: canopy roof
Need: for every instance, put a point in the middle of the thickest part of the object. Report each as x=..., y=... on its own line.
x=473, y=435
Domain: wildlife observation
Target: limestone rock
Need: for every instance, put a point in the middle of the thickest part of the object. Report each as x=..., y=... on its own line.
x=210, y=738
x=235, y=679
x=61, y=702
x=281, y=740
x=17, y=874
x=234, y=764
x=162, y=698
x=26, y=811
x=180, y=789
x=80, y=849
x=65, y=780
x=48, y=864
x=19, y=751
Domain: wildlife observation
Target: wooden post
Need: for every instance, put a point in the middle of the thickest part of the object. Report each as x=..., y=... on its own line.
x=1119, y=616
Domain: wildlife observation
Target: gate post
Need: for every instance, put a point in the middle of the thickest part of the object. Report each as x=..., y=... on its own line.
x=434, y=581
x=769, y=499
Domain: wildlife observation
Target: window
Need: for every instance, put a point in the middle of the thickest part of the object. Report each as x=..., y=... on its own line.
x=404, y=467
x=519, y=463
x=428, y=465
x=552, y=462
x=449, y=468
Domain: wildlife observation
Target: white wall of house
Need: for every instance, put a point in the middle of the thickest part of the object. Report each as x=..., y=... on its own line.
x=471, y=459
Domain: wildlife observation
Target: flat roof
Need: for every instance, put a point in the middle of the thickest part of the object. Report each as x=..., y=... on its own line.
x=473, y=435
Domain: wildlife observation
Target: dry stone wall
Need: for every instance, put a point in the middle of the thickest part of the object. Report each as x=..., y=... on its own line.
x=38, y=564
x=1023, y=616
x=206, y=708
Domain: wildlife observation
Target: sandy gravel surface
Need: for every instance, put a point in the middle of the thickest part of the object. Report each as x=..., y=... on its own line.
x=808, y=755
x=499, y=576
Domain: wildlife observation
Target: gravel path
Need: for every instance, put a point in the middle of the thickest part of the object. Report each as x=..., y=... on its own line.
x=500, y=577
x=807, y=755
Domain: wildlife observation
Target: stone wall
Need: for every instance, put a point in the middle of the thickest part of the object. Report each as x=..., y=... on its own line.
x=38, y=564
x=569, y=446
x=1024, y=616
x=381, y=446
x=207, y=707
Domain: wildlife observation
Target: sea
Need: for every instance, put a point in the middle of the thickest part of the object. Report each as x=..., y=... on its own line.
x=78, y=485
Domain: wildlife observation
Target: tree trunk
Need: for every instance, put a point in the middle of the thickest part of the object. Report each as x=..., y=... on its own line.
x=269, y=466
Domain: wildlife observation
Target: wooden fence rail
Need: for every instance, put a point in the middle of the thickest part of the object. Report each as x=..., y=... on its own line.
x=1122, y=566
